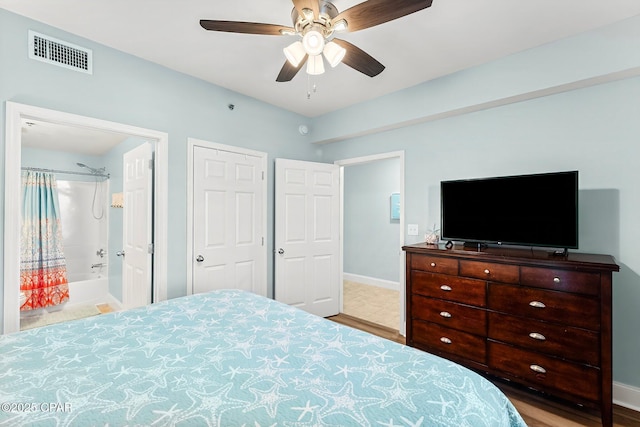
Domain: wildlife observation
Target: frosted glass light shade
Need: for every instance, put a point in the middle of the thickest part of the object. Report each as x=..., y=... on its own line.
x=294, y=53
x=341, y=25
x=315, y=65
x=334, y=53
x=313, y=43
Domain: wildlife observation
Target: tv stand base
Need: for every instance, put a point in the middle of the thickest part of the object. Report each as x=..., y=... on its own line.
x=561, y=252
x=475, y=245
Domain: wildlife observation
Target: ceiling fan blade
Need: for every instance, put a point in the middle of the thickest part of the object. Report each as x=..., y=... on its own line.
x=244, y=27
x=307, y=4
x=288, y=71
x=375, y=12
x=360, y=60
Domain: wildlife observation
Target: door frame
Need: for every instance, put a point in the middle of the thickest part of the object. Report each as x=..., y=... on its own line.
x=359, y=161
x=191, y=144
x=15, y=112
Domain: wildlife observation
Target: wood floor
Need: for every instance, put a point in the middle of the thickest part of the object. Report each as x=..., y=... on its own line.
x=536, y=410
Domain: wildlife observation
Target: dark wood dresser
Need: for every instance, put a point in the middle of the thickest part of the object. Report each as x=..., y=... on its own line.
x=521, y=314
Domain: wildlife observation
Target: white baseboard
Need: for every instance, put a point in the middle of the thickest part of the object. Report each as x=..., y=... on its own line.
x=371, y=281
x=627, y=396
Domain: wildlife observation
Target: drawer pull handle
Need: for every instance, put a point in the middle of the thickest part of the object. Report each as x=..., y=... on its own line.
x=445, y=340
x=537, y=304
x=433, y=264
x=486, y=271
x=446, y=288
x=537, y=368
x=556, y=280
x=445, y=314
x=537, y=336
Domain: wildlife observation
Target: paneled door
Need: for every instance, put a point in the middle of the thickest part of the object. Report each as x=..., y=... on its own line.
x=228, y=219
x=137, y=226
x=307, y=236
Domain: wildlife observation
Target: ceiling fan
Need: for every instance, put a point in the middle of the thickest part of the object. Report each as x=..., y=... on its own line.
x=316, y=22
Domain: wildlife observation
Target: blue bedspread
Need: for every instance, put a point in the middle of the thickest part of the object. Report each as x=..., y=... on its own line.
x=231, y=358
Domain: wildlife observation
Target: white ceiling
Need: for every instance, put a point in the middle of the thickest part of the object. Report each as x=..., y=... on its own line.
x=72, y=139
x=449, y=36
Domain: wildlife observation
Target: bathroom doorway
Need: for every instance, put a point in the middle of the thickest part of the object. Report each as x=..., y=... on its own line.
x=17, y=117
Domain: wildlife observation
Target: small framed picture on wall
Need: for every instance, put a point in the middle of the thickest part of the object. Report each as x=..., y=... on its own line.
x=395, y=206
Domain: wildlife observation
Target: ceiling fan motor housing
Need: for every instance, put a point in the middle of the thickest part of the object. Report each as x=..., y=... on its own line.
x=322, y=23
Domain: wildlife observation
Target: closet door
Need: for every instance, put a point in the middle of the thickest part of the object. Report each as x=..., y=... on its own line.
x=228, y=210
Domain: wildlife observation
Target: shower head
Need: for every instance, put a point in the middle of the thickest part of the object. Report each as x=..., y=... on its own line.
x=92, y=170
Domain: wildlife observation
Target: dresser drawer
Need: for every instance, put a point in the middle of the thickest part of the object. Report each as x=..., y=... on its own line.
x=453, y=315
x=451, y=341
x=579, y=345
x=541, y=304
x=548, y=372
x=434, y=264
x=490, y=271
x=562, y=280
x=452, y=288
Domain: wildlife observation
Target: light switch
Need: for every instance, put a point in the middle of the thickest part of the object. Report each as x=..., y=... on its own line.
x=412, y=229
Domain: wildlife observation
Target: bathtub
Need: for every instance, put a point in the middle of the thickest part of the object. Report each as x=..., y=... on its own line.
x=92, y=291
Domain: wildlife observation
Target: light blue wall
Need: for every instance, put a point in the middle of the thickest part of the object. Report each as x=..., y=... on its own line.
x=371, y=238
x=128, y=90
x=534, y=72
x=60, y=160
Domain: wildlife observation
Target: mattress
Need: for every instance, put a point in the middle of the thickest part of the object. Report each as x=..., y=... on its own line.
x=232, y=358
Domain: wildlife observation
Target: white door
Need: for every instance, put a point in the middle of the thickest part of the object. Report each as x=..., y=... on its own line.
x=307, y=236
x=228, y=231
x=137, y=226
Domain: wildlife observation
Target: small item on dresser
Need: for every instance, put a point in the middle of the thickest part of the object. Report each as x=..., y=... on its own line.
x=432, y=237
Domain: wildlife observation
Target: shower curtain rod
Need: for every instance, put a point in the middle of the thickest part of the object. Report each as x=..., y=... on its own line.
x=67, y=172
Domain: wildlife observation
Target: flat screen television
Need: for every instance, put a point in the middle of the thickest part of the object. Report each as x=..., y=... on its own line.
x=524, y=210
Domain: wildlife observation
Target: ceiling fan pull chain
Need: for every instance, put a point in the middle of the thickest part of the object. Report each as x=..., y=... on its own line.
x=310, y=87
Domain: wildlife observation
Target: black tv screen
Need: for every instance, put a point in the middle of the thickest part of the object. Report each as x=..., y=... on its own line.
x=527, y=210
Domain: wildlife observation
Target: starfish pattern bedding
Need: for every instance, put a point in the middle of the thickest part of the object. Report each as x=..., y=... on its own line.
x=232, y=358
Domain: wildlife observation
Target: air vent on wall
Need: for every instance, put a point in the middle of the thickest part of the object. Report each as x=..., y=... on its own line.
x=58, y=52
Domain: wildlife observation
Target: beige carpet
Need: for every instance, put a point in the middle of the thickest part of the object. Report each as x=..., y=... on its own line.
x=371, y=303
x=64, y=315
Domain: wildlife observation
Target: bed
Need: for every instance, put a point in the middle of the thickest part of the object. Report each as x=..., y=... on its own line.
x=232, y=358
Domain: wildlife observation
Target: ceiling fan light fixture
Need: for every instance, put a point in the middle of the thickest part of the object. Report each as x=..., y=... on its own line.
x=315, y=65
x=334, y=53
x=340, y=25
x=287, y=32
x=294, y=53
x=308, y=14
x=313, y=42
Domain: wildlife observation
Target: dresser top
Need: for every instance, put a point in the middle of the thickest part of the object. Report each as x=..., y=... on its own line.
x=506, y=254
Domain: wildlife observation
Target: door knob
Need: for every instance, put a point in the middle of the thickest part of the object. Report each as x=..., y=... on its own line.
x=199, y=258
x=281, y=251
x=120, y=253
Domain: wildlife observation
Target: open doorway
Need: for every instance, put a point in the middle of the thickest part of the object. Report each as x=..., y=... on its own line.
x=372, y=224
x=16, y=116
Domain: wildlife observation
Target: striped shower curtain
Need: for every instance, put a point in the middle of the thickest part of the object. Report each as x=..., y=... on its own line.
x=43, y=270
